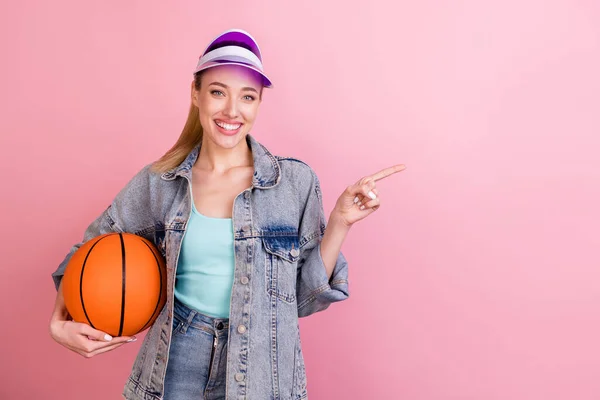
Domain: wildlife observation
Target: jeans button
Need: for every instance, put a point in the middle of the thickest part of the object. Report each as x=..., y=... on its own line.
x=220, y=326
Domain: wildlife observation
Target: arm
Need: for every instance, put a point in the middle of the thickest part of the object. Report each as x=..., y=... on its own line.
x=119, y=216
x=103, y=224
x=332, y=243
x=79, y=337
x=322, y=268
x=126, y=213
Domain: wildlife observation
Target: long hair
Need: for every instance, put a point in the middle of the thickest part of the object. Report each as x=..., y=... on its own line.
x=190, y=137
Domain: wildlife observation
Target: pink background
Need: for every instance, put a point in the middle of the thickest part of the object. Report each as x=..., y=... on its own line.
x=479, y=276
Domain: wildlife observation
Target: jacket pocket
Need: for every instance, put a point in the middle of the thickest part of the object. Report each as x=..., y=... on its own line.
x=281, y=263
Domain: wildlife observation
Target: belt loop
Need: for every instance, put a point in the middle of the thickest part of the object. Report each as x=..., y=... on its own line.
x=190, y=318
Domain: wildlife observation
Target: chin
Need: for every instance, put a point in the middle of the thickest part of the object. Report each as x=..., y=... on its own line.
x=228, y=142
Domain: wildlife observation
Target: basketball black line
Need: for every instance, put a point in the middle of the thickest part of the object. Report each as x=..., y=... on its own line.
x=123, y=269
x=81, y=281
x=161, y=286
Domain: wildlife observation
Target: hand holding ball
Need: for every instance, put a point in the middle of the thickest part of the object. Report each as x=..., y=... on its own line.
x=116, y=283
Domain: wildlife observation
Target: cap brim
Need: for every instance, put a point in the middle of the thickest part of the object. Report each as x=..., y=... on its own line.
x=266, y=81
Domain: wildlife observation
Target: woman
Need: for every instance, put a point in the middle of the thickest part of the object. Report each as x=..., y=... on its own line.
x=243, y=234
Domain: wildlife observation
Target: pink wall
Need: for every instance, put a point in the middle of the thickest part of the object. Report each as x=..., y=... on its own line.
x=479, y=276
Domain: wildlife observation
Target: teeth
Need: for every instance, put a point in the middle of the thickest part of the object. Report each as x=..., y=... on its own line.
x=229, y=127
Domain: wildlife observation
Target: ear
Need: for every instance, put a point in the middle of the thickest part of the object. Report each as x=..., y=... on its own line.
x=194, y=94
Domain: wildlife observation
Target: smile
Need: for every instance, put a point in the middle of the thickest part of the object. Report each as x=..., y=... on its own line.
x=229, y=127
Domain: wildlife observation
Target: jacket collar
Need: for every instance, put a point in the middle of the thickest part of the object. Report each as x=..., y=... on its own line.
x=267, y=172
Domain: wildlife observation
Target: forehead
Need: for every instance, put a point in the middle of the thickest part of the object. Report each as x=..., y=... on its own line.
x=232, y=76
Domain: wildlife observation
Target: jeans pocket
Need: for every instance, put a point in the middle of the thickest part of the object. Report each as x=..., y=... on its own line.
x=281, y=262
x=177, y=326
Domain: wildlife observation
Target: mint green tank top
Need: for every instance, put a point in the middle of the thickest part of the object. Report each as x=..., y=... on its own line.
x=206, y=263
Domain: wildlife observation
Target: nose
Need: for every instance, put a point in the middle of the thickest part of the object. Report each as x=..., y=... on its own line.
x=231, y=108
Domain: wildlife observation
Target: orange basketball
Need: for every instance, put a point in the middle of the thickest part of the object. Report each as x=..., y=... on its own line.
x=116, y=283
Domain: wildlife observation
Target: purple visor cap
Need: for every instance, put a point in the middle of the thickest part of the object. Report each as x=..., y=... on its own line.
x=233, y=47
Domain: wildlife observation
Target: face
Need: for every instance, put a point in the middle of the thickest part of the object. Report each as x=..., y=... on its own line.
x=228, y=102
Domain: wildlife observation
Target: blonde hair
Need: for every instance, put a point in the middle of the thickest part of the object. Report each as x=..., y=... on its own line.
x=190, y=137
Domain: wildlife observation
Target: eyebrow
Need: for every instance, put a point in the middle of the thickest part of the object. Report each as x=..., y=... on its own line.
x=227, y=87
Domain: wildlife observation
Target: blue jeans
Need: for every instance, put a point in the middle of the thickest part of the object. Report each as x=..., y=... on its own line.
x=197, y=356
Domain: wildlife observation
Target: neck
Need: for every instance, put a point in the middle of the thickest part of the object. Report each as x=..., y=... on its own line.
x=218, y=159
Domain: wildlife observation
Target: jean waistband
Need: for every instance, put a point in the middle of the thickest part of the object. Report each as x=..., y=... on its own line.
x=195, y=318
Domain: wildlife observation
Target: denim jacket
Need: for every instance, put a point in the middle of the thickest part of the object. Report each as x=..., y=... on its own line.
x=279, y=275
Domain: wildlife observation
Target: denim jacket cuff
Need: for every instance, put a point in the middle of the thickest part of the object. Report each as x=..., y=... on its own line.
x=315, y=291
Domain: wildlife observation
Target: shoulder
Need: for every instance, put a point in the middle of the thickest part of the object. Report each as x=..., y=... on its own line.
x=296, y=167
x=144, y=181
x=145, y=176
x=299, y=174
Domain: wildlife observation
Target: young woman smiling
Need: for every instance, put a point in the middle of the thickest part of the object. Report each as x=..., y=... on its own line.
x=246, y=242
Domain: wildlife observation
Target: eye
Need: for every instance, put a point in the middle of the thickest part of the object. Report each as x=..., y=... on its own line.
x=249, y=97
x=216, y=92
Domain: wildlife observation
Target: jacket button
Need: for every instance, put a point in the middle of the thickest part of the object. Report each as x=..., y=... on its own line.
x=247, y=195
x=239, y=377
x=295, y=252
x=241, y=329
x=244, y=280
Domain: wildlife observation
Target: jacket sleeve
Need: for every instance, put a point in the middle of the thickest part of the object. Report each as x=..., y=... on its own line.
x=314, y=291
x=101, y=225
x=113, y=219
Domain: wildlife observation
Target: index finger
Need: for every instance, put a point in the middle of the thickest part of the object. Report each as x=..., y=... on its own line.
x=384, y=173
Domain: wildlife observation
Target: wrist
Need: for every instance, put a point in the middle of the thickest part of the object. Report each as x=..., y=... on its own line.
x=54, y=327
x=337, y=222
x=60, y=314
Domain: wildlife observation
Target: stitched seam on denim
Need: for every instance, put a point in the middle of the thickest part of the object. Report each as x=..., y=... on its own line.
x=309, y=238
x=202, y=328
x=266, y=234
x=193, y=325
x=339, y=282
x=175, y=226
x=289, y=298
x=143, y=232
x=289, y=158
x=313, y=294
x=320, y=289
x=286, y=256
x=306, y=302
x=111, y=221
x=274, y=162
x=138, y=387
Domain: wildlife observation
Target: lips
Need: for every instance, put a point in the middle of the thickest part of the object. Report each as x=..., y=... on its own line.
x=228, y=128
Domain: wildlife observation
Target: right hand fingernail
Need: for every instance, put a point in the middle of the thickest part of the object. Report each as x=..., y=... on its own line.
x=107, y=337
x=133, y=339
